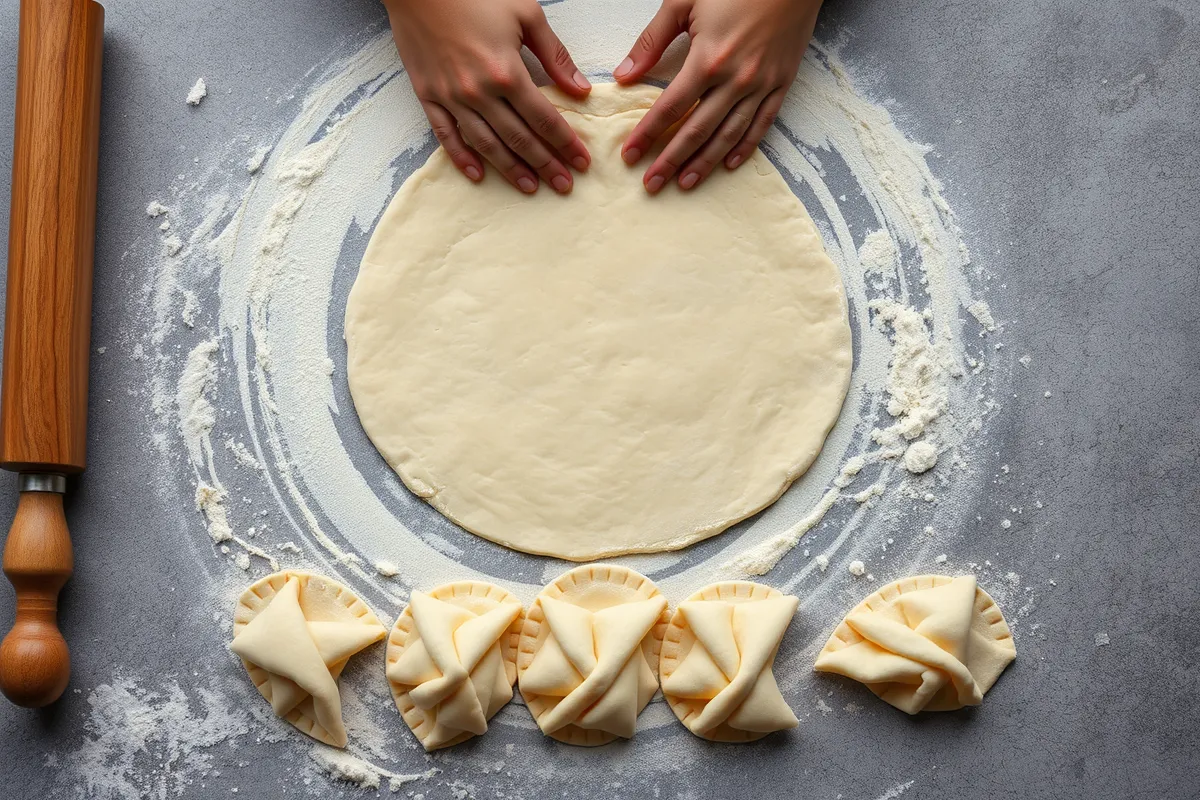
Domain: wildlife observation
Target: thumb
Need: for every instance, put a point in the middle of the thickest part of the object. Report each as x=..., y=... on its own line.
x=668, y=23
x=544, y=43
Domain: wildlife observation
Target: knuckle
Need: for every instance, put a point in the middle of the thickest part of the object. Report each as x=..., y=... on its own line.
x=718, y=64
x=547, y=127
x=518, y=141
x=561, y=57
x=729, y=135
x=672, y=161
x=487, y=144
x=671, y=111
x=443, y=131
x=746, y=78
x=694, y=136
x=499, y=81
x=646, y=41
x=468, y=92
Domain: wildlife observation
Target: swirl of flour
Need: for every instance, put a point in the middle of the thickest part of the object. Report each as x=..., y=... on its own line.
x=282, y=248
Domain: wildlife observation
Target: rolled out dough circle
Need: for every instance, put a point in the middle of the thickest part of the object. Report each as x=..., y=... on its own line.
x=602, y=373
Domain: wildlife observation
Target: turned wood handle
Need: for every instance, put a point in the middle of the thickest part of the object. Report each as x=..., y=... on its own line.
x=52, y=226
x=43, y=402
x=34, y=661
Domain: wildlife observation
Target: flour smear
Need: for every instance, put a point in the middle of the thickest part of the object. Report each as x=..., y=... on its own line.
x=245, y=350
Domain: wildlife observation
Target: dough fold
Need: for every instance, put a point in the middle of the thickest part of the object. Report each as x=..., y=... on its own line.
x=717, y=661
x=928, y=643
x=588, y=654
x=451, y=660
x=295, y=632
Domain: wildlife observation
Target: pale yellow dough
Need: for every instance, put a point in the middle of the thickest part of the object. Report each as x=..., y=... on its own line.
x=603, y=373
x=589, y=649
x=295, y=631
x=928, y=643
x=717, y=659
x=452, y=660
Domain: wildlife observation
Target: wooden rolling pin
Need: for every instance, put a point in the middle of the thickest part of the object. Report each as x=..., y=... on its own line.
x=43, y=403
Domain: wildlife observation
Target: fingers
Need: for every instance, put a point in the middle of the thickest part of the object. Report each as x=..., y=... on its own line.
x=666, y=26
x=526, y=145
x=546, y=121
x=670, y=107
x=480, y=135
x=764, y=118
x=445, y=128
x=691, y=136
x=541, y=40
x=727, y=136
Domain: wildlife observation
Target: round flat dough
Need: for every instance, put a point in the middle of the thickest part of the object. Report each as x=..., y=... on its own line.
x=602, y=373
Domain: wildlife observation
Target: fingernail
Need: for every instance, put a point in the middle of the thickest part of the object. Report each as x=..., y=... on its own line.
x=580, y=81
x=656, y=183
x=733, y=162
x=689, y=180
x=580, y=163
x=473, y=173
x=527, y=185
x=632, y=155
x=561, y=184
x=623, y=68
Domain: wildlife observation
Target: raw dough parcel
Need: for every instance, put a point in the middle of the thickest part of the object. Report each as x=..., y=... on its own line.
x=295, y=631
x=717, y=659
x=927, y=643
x=603, y=373
x=452, y=660
x=587, y=660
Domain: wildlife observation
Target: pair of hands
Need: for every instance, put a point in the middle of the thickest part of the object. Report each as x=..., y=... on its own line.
x=463, y=57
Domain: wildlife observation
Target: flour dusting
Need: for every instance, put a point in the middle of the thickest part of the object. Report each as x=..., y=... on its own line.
x=264, y=372
x=149, y=742
x=196, y=414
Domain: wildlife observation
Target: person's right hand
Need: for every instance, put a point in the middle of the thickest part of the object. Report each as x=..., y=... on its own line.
x=464, y=59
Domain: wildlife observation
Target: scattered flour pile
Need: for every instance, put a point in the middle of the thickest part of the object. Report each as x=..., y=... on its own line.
x=352, y=769
x=142, y=742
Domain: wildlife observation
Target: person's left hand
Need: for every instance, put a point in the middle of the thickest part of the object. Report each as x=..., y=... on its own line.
x=744, y=55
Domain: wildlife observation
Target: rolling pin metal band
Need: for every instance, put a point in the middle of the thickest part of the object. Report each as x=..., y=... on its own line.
x=42, y=482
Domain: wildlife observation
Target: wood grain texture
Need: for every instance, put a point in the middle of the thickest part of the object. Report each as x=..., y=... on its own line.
x=43, y=404
x=34, y=662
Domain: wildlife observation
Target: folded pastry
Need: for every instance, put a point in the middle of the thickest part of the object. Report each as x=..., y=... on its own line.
x=717, y=659
x=452, y=660
x=295, y=631
x=928, y=643
x=589, y=652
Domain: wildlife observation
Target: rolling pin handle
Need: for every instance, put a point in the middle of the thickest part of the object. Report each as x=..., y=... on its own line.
x=35, y=663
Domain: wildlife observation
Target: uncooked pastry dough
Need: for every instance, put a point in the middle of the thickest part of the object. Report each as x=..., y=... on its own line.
x=295, y=631
x=928, y=643
x=588, y=657
x=717, y=660
x=602, y=373
x=452, y=660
